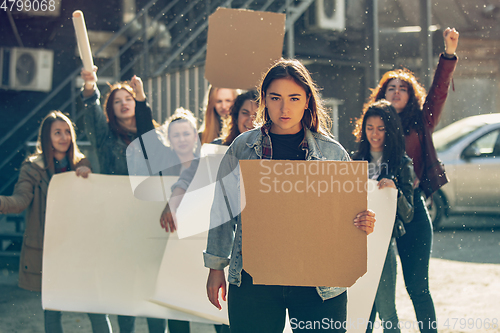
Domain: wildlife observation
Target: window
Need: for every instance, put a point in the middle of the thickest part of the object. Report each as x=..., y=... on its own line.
x=487, y=145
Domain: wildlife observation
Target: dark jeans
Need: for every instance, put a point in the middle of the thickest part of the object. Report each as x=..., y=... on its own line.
x=414, y=252
x=155, y=325
x=181, y=326
x=100, y=322
x=261, y=308
x=222, y=328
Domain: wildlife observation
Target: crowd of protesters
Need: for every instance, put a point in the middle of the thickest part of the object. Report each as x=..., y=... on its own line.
x=283, y=119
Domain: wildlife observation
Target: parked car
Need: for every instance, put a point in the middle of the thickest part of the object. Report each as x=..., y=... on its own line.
x=470, y=151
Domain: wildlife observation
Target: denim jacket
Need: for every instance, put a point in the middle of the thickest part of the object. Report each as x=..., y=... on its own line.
x=224, y=243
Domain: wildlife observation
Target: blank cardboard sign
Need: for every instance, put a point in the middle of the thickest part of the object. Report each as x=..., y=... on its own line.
x=241, y=45
x=297, y=226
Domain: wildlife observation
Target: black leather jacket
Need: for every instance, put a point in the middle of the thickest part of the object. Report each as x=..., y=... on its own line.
x=403, y=178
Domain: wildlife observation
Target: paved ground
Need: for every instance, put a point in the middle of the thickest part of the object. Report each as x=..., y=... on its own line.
x=464, y=281
x=464, y=277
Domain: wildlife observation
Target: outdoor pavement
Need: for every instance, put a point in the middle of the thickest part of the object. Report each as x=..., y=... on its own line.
x=464, y=282
x=464, y=277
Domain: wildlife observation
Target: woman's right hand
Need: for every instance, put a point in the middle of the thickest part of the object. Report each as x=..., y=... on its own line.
x=386, y=182
x=365, y=221
x=216, y=280
x=83, y=171
x=450, y=40
x=89, y=79
x=138, y=86
x=168, y=219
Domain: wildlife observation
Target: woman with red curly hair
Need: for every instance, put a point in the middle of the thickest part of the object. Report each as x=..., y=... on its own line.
x=419, y=114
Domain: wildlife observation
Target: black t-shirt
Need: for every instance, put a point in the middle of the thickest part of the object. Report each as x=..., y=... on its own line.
x=287, y=146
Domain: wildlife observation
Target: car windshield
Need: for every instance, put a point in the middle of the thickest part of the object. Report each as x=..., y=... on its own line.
x=446, y=137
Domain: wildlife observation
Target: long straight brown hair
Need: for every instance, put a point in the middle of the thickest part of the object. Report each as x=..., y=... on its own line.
x=316, y=117
x=44, y=146
x=211, y=127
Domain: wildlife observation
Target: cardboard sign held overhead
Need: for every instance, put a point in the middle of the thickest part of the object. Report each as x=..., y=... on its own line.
x=297, y=226
x=241, y=45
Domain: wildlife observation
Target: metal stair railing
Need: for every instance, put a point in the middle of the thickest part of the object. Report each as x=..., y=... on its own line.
x=74, y=74
x=70, y=78
x=294, y=13
x=183, y=86
x=183, y=46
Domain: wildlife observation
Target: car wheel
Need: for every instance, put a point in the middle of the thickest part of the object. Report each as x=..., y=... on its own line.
x=436, y=208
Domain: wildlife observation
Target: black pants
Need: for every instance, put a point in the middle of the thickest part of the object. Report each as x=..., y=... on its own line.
x=414, y=251
x=155, y=325
x=261, y=308
x=100, y=322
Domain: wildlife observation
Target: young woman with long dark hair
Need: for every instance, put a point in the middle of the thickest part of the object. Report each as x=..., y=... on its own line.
x=56, y=152
x=241, y=117
x=294, y=126
x=382, y=144
x=419, y=114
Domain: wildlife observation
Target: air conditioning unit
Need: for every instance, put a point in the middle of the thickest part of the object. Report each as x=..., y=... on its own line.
x=30, y=69
x=327, y=15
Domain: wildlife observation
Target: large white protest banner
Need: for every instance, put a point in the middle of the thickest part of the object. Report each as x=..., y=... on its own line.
x=103, y=248
x=105, y=252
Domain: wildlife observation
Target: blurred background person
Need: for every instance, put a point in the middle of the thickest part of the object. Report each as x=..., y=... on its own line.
x=180, y=130
x=56, y=152
x=241, y=119
x=110, y=132
x=218, y=103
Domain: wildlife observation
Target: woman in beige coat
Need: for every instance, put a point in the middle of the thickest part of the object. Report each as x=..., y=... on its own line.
x=56, y=152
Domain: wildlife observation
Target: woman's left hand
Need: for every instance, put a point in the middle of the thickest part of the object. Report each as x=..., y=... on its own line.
x=365, y=221
x=138, y=86
x=83, y=171
x=385, y=182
